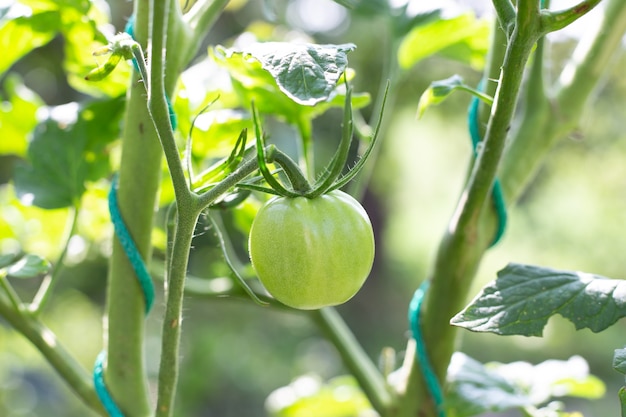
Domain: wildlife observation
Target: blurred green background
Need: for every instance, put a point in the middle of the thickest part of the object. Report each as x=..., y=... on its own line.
x=235, y=353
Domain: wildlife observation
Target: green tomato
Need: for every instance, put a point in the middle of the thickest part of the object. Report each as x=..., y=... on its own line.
x=312, y=253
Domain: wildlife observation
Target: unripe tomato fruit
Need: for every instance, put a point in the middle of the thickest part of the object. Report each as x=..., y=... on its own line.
x=312, y=253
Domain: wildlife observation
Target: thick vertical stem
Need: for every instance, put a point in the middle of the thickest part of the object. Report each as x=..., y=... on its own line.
x=464, y=243
x=139, y=179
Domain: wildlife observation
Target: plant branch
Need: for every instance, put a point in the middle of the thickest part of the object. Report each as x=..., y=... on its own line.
x=545, y=120
x=479, y=186
x=157, y=100
x=506, y=15
x=369, y=377
x=553, y=21
x=45, y=289
x=14, y=298
x=54, y=352
x=485, y=98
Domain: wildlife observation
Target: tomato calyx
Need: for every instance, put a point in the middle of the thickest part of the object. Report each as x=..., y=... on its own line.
x=331, y=178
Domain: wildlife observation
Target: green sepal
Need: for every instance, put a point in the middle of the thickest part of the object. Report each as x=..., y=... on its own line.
x=345, y=179
x=261, y=157
x=222, y=168
x=338, y=162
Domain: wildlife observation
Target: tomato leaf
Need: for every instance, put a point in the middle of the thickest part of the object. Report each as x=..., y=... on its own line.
x=475, y=388
x=28, y=266
x=17, y=116
x=523, y=297
x=22, y=33
x=404, y=23
x=440, y=90
x=438, y=35
x=65, y=153
x=254, y=83
x=306, y=73
x=437, y=92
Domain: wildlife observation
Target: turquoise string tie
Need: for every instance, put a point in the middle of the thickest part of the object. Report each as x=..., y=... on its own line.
x=432, y=382
x=145, y=282
x=136, y=261
x=497, y=196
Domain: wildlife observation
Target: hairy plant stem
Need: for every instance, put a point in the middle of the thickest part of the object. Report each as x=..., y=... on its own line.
x=188, y=204
x=139, y=179
x=60, y=359
x=172, y=321
x=187, y=216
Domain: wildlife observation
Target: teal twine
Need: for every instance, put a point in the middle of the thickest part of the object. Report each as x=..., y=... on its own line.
x=145, y=281
x=130, y=29
x=432, y=383
x=130, y=249
x=103, y=393
x=497, y=196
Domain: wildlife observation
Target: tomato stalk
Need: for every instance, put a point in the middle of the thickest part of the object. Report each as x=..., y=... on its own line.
x=331, y=178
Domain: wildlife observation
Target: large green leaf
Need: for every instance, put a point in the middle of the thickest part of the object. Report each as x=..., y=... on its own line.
x=306, y=73
x=30, y=24
x=475, y=388
x=17, y=116
x=21, y=34
x=65, y=153
x=463, y=38
x=523, y=297
x=279, y=89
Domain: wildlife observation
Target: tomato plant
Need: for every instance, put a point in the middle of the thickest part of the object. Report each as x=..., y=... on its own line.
x=312, y=246
x=311, y=253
